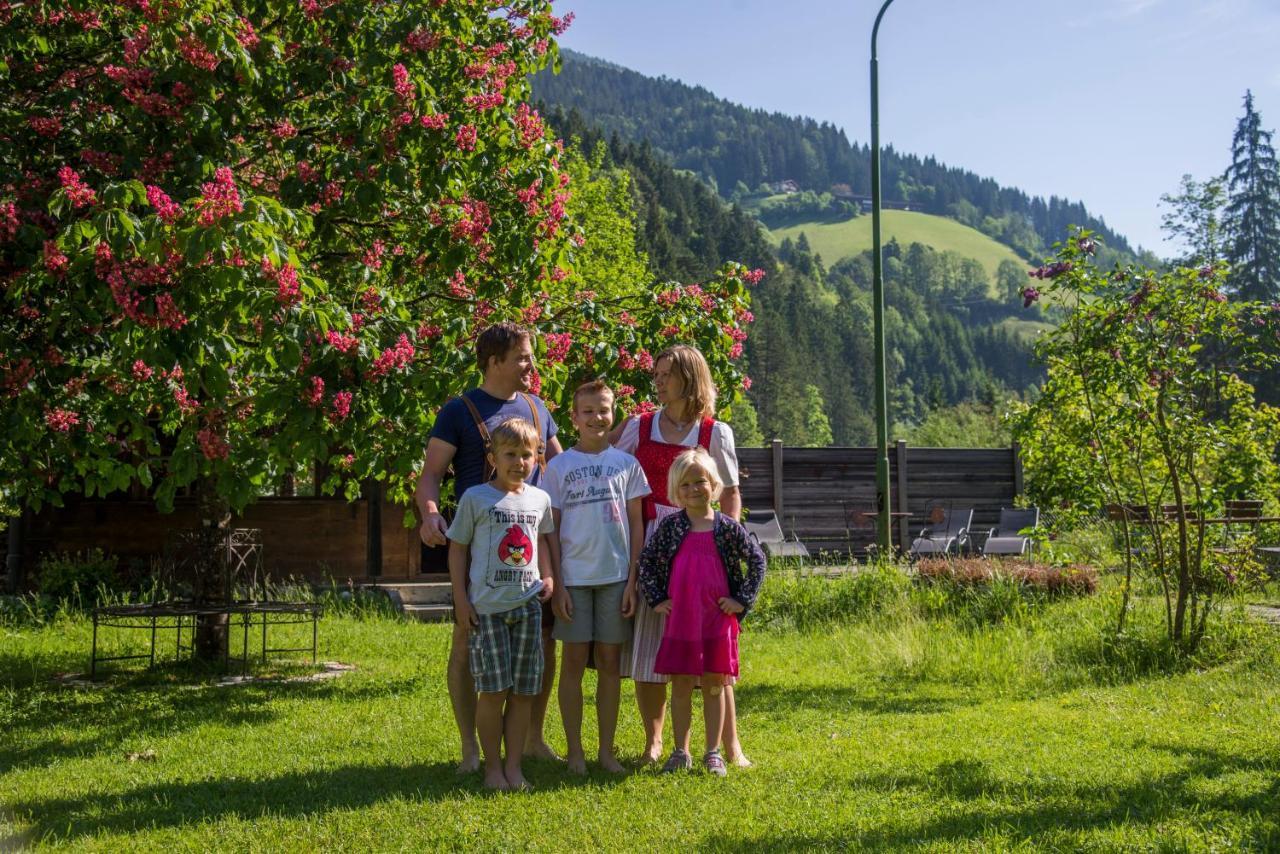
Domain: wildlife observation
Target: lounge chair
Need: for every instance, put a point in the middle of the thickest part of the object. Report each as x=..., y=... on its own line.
x=1005, y=539
x=950, y=531
x=764, y=528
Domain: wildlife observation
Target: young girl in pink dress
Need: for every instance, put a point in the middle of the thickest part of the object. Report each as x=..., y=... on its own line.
x=702, y=571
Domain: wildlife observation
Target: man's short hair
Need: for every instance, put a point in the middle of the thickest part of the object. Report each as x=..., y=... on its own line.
x=596, y=386
x=514, y=433
x=497, y=340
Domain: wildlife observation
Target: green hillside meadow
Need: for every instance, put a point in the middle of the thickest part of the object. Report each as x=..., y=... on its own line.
x=836, y=240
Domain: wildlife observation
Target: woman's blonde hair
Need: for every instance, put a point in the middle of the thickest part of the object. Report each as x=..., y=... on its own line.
x=691, y=459
x=699, y=389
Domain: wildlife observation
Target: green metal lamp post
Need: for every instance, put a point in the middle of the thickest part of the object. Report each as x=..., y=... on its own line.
x=877, y=262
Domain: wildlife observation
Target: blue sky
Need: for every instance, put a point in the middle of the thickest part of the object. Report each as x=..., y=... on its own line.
x=1105, y=101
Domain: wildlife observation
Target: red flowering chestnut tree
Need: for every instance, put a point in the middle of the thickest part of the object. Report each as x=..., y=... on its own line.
x=239, y=237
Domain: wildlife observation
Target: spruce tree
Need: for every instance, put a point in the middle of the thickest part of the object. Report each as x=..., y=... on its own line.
x=1253, y=210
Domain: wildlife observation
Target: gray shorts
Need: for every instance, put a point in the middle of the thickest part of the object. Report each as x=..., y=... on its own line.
x=506, y=650
x=597, y=615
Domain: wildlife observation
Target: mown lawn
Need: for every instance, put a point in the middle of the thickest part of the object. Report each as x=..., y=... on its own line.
x=893, y=731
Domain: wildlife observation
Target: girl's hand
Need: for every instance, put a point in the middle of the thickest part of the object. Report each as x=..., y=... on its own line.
x=629, y=600
x=731, y=606
x=663, y=607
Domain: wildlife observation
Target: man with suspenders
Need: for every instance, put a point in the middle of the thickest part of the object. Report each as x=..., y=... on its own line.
x=459, y=438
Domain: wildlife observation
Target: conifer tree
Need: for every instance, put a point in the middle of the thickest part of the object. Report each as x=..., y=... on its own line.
x=1253, y=210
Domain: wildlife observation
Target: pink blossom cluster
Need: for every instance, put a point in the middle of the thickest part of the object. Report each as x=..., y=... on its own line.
x=219, y=198
x=667, y=299
x=195, y=52
x=643, y=407
x=46, y=126
x=284, y=129
x=529, y=197
x=54, y=259
x=559, y=25
x=341, y=406
x=529, y=124
x=434, y=121
x=246, y=34
x=421, y=39
x=474, y=222
x=167, y=312
x=141, y=371
x=371, y=301
x=166, y=208
x=535, y=383
x=10, y=222
x=754, y=276
x=186, y=403
x=558, y=344
x=395, y=357
x=746, y=383
x=341, y=342
x=458, y=286
x=736, y=350
x=373, y=255
x=530, y=314
x=80, y=193
x=16, y=376
x=465, y=138
x=135, y=47
x=403, y=85
x=331, y=194
x=671, y=331
x=313, y=394
x=428, y=330
x=61, y=420
x=626, y=361
x=212, y=444
x=288, y=289
x=485, y=101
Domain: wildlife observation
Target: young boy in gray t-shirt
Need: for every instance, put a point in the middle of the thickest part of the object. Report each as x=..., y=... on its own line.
x=505, y=524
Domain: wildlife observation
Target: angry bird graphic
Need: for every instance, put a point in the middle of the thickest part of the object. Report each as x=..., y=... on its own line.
x=515, y=548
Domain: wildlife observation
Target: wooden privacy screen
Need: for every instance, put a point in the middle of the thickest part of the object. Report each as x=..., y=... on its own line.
x=827, y=496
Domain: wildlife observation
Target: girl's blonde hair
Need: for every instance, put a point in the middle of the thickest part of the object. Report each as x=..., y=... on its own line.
x=691, y=459
x=699, y=389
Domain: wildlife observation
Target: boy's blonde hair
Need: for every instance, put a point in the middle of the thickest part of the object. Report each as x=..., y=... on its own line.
x=591, y=387
x=690, y=459
x=699, y=389
x=514, y=433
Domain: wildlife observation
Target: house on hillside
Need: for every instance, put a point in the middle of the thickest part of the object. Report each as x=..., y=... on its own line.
x=786, y=186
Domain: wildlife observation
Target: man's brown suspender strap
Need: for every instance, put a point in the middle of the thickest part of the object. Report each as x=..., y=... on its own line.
x=487, y=439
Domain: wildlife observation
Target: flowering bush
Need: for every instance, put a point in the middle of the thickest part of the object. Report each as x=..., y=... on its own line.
x=1145, y=406
x=238, y=238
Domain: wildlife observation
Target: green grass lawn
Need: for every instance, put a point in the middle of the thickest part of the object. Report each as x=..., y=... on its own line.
x=892, y=731
x=836, y=240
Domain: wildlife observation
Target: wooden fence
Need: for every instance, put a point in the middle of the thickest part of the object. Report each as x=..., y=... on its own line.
x=827, y=496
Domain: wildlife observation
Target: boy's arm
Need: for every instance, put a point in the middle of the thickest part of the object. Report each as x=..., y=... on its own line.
x=561, y=605
x=463, y=614
x=544, y=566
x=635, y=524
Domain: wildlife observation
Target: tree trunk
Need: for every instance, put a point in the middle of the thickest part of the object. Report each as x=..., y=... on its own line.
x=212, y=583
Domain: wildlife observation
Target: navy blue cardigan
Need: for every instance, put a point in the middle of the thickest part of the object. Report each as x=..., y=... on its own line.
x=734, y=544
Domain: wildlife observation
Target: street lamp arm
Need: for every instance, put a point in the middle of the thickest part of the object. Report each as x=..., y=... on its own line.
x=876, y=29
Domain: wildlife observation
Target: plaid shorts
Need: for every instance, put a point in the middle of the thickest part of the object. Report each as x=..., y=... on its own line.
x=506, y=650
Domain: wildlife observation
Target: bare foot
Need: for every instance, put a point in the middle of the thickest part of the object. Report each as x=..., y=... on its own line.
x=516, y=781
x=608, y=763
x=469, y=764
x=652, y=754
x=541, y=750
x=577, y=764
x=496, y=781
x=737, y=758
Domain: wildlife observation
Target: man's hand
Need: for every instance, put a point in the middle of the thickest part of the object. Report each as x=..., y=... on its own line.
x=464, y=615
x=548, y=589
x=629, y=600
x=562, y=605
x=731, y=606
x=432, y=530
x=663, y=607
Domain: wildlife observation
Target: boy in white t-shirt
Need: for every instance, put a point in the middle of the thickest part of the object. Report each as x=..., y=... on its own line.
x=596, y=493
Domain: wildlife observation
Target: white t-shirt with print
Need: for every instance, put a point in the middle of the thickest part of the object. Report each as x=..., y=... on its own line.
x=591, y=492
x=722, y=449
x=502, y=529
